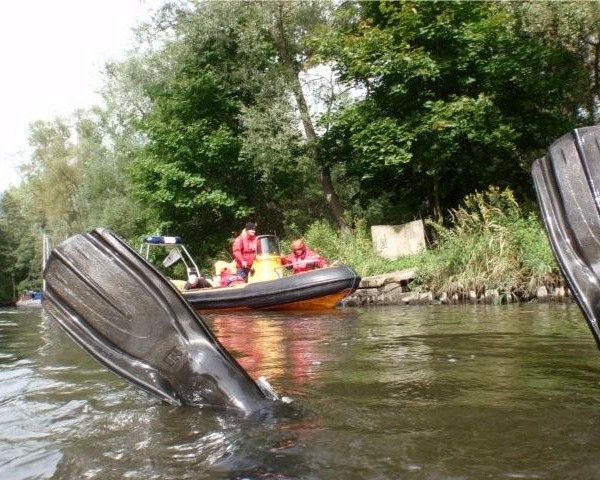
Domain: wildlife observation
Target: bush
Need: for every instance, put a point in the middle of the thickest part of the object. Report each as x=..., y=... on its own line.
x=354, y=249
x=491, y=244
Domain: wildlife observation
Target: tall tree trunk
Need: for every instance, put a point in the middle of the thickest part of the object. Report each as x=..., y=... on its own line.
x=596, y=81
x=437, y=207
x=286, y=60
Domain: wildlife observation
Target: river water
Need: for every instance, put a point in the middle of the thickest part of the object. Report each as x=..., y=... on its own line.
x=429, y=392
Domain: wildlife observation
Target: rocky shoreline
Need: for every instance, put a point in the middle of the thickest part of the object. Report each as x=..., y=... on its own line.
x=393, y=289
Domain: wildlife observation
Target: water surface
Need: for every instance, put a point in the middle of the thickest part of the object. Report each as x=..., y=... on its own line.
x=430, y=392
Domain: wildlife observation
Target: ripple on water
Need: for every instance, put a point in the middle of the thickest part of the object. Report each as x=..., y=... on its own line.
x=435, y=393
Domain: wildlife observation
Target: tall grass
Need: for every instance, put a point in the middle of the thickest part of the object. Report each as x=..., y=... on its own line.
x=354, y=249
x=489, y=244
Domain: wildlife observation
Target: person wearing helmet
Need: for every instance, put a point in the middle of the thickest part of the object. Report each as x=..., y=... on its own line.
x=244, y=250
x=302, y=258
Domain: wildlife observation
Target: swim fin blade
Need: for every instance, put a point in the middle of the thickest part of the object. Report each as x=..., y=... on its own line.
x=567, y=183
x=128, y=316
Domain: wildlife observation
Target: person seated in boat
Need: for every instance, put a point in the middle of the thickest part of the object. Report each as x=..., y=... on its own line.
x=244, y=251
x=302, y=258
x=195, y=281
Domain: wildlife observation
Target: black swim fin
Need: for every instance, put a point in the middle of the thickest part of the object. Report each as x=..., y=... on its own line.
x=129, y=317
x=567, y=181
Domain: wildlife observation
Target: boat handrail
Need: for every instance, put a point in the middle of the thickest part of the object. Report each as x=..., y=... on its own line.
x=163, y=240
x=171, y=241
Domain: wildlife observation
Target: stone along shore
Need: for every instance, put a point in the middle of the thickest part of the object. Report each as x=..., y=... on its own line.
x=393, y=289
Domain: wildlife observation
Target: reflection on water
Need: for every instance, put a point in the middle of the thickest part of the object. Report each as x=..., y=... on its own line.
x=288, y=350
x=461, y=392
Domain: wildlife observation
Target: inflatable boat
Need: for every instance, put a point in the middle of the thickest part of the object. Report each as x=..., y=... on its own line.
x=317, y=289
x=270, y=285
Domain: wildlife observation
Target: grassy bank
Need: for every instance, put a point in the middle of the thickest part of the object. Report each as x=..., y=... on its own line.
x=489, y=244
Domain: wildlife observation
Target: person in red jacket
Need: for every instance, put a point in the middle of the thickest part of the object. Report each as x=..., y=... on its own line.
x=244, y=250
x=303, y=258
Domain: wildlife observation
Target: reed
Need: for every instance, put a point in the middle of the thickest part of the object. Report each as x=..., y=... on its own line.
x=354, y=249
x=491, y=244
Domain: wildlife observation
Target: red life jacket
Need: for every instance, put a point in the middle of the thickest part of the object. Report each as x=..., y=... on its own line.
x=309, y=260
x=224, y=276
x=244, y=248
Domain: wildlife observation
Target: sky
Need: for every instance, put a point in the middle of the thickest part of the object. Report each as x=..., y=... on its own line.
x=52, y=55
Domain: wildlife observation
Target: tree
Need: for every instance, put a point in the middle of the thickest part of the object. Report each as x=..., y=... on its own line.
x=189, y=168
x=20, y=252
x=7, y=279
x=53, y=177
x=458, y=97
x=220, y=143
x=574, y=26
x=288, y=18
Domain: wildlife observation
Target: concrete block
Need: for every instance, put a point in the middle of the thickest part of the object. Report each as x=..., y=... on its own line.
x=395, y=241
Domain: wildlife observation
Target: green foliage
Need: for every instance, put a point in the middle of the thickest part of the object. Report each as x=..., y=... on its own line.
x=574, y=26
x=456, y=93
x=190, y=170
x=74, y=181
x=491, y=244
x=222, y=144
x=355, y=249
x=6, y=256
x=20, y=252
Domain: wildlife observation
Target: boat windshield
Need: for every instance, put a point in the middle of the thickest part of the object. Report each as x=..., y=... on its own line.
x=267, y=245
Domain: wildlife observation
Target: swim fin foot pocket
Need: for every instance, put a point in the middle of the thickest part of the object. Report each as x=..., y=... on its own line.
x=124, y=313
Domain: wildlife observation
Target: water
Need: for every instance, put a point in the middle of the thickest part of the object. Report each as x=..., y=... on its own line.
x=452, y=392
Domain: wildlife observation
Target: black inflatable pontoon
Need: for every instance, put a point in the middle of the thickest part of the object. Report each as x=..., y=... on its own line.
x=318, y=289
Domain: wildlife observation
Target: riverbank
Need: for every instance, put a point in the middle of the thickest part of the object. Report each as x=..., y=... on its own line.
x=394, y=289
